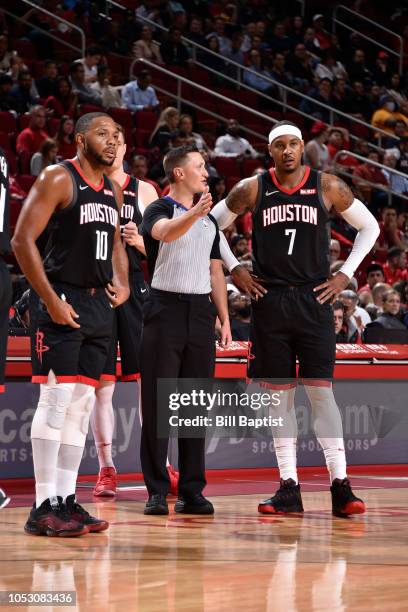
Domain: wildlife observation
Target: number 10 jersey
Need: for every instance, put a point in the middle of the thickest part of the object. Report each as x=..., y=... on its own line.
x=80, y=243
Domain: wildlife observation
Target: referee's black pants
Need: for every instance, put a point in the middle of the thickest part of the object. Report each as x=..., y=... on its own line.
x=5, y=303
x=178, y=342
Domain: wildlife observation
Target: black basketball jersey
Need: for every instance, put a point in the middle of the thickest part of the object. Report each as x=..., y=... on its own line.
x=80, y=243
x=290, y=236
x=4, y=204
x=130, y=212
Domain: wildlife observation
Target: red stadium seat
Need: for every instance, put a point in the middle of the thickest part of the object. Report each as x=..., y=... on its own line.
x=15, y=209
x=24, y=120
x=25, y=181
x=227, y=166
x=8, y=122
x=5, y=140
x=24, y=158
x=12, y=160
x=230, y=181
x=53, y=126
x=249, y=165
x=123, y=116
x=145, y=120
x=25, y=49
x=88, y=108
x=141, y=138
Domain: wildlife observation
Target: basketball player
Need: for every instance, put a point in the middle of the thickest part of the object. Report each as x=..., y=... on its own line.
x=290, y=206
x=137, y=194
x=84, y=276
x=5, y=281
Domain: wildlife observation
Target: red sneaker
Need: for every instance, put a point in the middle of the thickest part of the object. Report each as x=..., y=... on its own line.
x=106, y=484
x=174, y=478
x=53, y=520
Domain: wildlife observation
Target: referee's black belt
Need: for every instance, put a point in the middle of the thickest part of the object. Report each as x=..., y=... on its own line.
x=298, y=286
x=182, y=297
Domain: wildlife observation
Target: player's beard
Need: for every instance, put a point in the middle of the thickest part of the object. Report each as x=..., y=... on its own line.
x=90, y=152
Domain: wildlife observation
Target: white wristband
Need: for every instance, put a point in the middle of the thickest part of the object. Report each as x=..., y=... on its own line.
x=359, y=217
x=223, y=215
x=227, y=256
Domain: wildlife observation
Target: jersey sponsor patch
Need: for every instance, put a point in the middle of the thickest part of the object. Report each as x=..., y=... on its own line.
x=108, y=192
x=129, y=193
x=308, y=191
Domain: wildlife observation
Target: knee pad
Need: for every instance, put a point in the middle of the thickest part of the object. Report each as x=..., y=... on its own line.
x=49, y=418
x=78, y=414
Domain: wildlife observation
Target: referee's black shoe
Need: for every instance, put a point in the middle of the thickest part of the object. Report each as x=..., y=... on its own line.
x=156, y=504
x=344, y=502
x=286, y=499
x=193, y=504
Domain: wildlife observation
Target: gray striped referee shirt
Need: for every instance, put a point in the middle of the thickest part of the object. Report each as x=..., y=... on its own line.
x=181, y=266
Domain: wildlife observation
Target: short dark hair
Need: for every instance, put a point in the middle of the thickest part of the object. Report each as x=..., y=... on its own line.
x=280, y=123
x=175, y=157
x=93, y=50
x=74, y=67
x=337, y=305
x=83, y=124
x=394, y=252
x=144, y=74
x=49, y=62
x=374, y=267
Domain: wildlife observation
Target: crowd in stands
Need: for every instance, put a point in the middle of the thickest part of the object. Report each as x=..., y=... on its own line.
x=343, y=76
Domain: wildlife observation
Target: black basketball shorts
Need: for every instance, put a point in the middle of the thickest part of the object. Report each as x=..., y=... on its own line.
x=5, y=303
x=127, y=331
x=74, y=355
x=289, y=323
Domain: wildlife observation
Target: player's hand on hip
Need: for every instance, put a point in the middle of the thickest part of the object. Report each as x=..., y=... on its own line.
x=62, y=312
x=247, y=282
x=331, y=288
x=204, y=204
x=117, y=294
x=225, y=335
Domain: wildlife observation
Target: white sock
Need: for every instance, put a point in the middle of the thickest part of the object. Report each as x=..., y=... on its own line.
x=69, y=459
x=103, y=423
x=328, y=429
x=45, y=455
x=285, y=438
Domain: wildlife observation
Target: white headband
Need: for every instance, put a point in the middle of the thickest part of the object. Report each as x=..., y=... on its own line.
x=285, y=130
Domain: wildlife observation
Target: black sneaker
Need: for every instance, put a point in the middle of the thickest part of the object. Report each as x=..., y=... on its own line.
x=156, y=504
x=78, y=513
x=52, y=519
x=286, y=499
x=4, y=500
x=193, y=504
x=344, y=502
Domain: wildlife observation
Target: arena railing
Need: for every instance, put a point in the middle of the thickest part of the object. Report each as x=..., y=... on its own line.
x=340, y=169
x=70, y=25
x=183, y=100
x=355, y=15
x=335, y=114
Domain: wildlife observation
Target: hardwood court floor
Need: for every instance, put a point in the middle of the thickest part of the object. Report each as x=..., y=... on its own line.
x=236, y=560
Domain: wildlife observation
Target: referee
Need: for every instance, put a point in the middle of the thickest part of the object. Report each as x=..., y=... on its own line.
x=184, y=261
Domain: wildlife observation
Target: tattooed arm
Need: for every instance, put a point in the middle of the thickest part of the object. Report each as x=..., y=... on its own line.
x=336, y=193
x=243, y=196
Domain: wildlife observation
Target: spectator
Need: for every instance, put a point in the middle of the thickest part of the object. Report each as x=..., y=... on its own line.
x=195, y=33
x=377, y=292
x=212, y=171
x=385, y=117
x=86, y=95
x=32, y=137
x=356, y=315
x=311, y=42
x=382, y=71
x=280, y=73
x=218, y=189
x=224, y=41
x=130, y=30
x=358, y=70
x=375, y=95
x=299, y=64
x=322, y=37
x=17, y=65
x=173, y=50
x=257, y=81
x=23, y=94
x=93, y=56
x=139, y=94
x=396, y=89
x=65, y=138
x=392, y=142
x=64, y=102
x=397, y=183
x=338, y=141
x=5, y=54
x=323, y=94
x=7, y=100
x=329, y=67
x=47, y=84
x=316, y=151
x=165, y=129
x=240, y=247
x=279, y=41
x=334, y=251
x=390, y=235
x=46, y=156
x=232, y=144
x=236, y=55
x=240, y=315
x=357, y=103
x=395, y=268
x=146, y=47
x=374, y=194
x=110, y=95
x=139, y=169
x=374, y=274
x=297, y=29
x=389, y=320
x=115, y=41
x=186, y=129
x=344, y=333
x=214, y=62
x=402, y=164
x=340, y=95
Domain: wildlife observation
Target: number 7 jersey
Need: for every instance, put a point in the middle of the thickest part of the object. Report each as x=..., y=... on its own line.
x=291, y=231
x=80, y=243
